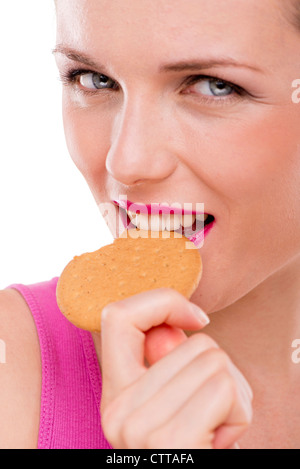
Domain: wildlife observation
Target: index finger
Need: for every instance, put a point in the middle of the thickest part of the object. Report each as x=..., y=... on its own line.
x=124, y=324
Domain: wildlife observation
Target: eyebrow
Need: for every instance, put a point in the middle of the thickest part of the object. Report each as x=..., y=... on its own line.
x=182, y=66
x=76, y=56
x=203, y=64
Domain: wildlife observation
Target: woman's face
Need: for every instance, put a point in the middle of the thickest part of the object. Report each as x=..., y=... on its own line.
x=156, y=129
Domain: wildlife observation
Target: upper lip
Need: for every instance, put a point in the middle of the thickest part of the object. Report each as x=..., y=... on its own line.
x=155, y=208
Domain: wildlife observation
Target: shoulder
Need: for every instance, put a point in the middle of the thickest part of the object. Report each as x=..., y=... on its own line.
x=20, y=373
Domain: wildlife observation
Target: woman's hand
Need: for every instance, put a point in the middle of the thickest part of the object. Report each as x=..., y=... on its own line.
x=191, y=395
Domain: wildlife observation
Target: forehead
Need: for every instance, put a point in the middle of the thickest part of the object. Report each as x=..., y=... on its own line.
x=160, y=28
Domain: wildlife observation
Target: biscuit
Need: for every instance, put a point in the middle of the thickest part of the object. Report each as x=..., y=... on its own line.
x=134, y=263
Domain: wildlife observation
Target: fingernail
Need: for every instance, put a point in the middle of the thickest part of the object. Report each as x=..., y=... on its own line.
x=203, y=318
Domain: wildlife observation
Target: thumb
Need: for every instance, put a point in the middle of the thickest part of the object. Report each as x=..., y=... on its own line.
x=161, y=340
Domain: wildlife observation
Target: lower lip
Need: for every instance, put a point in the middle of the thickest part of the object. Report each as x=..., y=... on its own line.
x=197, y=239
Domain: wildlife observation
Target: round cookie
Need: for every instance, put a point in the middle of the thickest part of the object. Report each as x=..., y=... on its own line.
x=135, y=262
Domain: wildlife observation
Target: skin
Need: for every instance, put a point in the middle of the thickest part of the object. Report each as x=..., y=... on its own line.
x=241, y=157
x=156, y=139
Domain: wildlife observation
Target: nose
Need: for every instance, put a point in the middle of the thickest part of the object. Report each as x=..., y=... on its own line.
x=140, y=148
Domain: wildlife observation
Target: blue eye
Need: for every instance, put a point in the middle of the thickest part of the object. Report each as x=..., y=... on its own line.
x=213, y=87
x=95, y=81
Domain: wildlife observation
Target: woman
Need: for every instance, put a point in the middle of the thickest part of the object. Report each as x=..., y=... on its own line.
x=166, y=101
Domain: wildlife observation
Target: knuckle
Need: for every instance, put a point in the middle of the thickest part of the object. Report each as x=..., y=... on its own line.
x=159, y=439
x=168, y=296
x=170, y=292
x=226, y=384
x=110, y=312
x=130, y=433
x=203, y=341
x=220, y=358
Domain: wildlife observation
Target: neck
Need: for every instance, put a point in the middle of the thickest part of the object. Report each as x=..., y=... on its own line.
x=258, y=330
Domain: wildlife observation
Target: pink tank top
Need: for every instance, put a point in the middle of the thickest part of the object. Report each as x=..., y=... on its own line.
x=71, y=378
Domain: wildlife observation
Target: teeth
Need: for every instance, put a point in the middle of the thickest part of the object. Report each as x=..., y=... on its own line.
x=202, y=217
x=157, y=223
x=188, y=220
x=172, y=222
x=145, y=222
x=164, y=222
x=152, y=223
x=142, y=221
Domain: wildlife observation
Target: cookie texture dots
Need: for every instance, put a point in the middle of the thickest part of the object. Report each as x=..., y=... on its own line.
x=130, y=265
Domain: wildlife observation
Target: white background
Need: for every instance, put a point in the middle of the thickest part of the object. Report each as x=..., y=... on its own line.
x=47, y=212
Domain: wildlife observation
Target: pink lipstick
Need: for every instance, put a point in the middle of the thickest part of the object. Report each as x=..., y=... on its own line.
x=196, y=232
x=157, y=208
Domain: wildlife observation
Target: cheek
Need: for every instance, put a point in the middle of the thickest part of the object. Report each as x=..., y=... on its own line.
x=244, y=159
x=252, y=164
x=87, y=138
x=254, y=167
x=264, y=168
